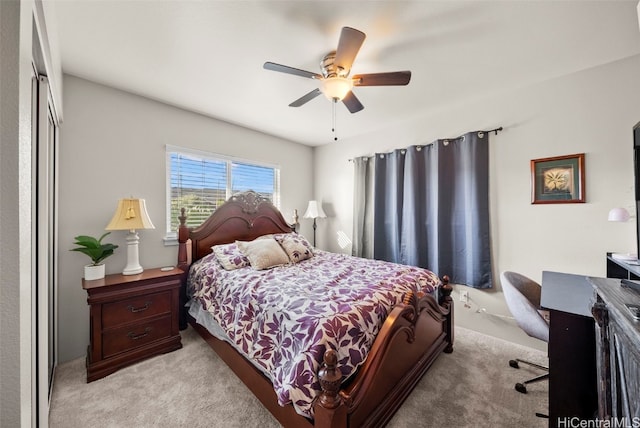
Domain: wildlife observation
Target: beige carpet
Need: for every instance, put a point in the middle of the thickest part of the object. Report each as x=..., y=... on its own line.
x=192, y=387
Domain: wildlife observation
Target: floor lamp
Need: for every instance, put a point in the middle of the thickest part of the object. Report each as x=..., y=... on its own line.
x=314, y=211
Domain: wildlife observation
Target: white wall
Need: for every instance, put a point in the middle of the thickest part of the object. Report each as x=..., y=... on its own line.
x=113, y=146
x=15, y=220
x=592, y=112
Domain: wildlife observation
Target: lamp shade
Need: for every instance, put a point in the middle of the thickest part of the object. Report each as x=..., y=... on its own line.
x=336, y=87
x=619, y=214
x=131, y=214
x=314, y=210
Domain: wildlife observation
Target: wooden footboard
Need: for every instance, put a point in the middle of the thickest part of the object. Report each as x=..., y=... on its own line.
x=413, y=335
x=411, y=338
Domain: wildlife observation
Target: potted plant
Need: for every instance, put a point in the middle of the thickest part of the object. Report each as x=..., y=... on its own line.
x=97, y=251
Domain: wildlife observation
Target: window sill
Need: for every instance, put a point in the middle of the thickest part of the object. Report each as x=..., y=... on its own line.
x=170, y=241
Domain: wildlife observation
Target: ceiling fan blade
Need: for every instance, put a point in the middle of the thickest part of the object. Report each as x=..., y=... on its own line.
x=305, y=98
x=348, y=46
x=290, y=70
x=352, y=102
x=394, y=78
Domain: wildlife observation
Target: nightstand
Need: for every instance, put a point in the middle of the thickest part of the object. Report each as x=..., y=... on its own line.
x=132, y=317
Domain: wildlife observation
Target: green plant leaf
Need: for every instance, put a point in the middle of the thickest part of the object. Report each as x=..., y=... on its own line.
x=94, y=248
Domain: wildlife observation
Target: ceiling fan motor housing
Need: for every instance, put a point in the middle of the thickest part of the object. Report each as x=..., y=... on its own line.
x=330, y=69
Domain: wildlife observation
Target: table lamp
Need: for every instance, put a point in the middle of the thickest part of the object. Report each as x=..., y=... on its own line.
x=131, y=215
x=621, y=215
x=618, y=214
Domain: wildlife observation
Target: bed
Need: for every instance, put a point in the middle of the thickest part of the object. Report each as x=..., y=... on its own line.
x=330, y=381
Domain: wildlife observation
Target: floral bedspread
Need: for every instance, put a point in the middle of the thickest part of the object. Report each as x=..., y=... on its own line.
x=285, y=318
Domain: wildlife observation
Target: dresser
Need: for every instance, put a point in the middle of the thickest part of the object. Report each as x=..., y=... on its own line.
x=618, y=351
x=132, y=317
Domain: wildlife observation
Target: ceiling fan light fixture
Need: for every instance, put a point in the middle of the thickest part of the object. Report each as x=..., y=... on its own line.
x=336, y=87
x=335, y=82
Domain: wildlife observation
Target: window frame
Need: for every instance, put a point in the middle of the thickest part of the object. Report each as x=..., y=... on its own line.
x=171, y=237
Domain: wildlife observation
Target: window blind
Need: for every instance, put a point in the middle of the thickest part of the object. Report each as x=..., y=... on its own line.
x=200, y=183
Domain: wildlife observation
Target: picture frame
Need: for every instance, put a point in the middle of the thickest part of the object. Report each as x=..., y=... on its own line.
x=558, y=180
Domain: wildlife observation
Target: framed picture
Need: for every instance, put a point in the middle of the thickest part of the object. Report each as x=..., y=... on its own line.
x=558, y=180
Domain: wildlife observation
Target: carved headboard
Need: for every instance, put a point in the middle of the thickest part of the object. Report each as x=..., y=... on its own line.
x=243, y=217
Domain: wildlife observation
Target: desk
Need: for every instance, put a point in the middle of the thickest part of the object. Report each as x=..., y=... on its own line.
x=572, y=349
x=621, y=269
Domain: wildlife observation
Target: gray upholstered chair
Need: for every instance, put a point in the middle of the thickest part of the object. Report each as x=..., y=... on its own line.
x=523, y=299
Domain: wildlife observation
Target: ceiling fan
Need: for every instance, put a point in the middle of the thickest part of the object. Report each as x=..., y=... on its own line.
x=335, y=82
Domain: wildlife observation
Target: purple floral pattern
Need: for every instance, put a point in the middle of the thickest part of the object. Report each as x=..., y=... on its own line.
x=284, y=319
x=296, y=246
x=230, y=256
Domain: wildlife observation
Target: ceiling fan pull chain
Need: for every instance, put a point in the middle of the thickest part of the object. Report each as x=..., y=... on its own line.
x=333, y=127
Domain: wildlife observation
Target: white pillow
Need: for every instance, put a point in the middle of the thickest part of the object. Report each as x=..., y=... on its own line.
x=263, y=253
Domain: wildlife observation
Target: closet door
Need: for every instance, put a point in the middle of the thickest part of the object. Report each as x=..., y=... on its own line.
x=45, y=151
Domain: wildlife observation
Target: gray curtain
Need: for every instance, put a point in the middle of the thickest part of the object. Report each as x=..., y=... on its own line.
x=363, y=213
x=430, y=208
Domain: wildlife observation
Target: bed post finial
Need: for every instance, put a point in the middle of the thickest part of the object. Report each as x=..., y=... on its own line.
x=184, y=256
x=182, y=217
x=447, y=301
x=330, y=410
x=446, y=289
x=330, y=379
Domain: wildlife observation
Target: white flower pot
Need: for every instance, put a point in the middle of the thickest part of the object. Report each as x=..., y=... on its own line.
x=92, y=272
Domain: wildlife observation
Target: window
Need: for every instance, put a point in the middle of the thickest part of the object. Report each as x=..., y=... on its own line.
x=201, y=182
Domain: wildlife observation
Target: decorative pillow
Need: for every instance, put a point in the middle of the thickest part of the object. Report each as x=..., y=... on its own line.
x=263, y=253
x=230, y=256
x=296, y=246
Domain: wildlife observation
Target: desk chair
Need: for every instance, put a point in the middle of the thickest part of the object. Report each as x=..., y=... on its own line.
x=523, y=299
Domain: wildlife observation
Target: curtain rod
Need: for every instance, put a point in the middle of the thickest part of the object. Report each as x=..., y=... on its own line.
x=494, y=130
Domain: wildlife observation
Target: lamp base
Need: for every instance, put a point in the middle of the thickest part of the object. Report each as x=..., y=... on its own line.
x=133, y=265
x=132, y=271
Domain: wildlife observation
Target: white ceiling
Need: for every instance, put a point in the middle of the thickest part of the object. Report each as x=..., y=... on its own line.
x=207, y=56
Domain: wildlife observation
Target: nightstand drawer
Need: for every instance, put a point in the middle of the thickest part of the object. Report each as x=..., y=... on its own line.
x=132, y=336
x=135, y=309
x=132, y=317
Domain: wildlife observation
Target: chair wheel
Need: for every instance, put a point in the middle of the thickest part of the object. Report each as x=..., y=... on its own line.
x=514, y=364
x=521, y=388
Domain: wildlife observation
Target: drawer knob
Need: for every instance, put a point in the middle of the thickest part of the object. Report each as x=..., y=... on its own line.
x=134, y=336
x=140, y=309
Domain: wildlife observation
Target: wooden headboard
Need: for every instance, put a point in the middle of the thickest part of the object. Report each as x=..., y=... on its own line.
x=243, y=217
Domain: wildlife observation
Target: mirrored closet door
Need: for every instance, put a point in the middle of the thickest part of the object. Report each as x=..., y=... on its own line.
x=44, y=211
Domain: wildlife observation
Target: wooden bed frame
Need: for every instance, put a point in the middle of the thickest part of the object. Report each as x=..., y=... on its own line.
x=411, y=338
